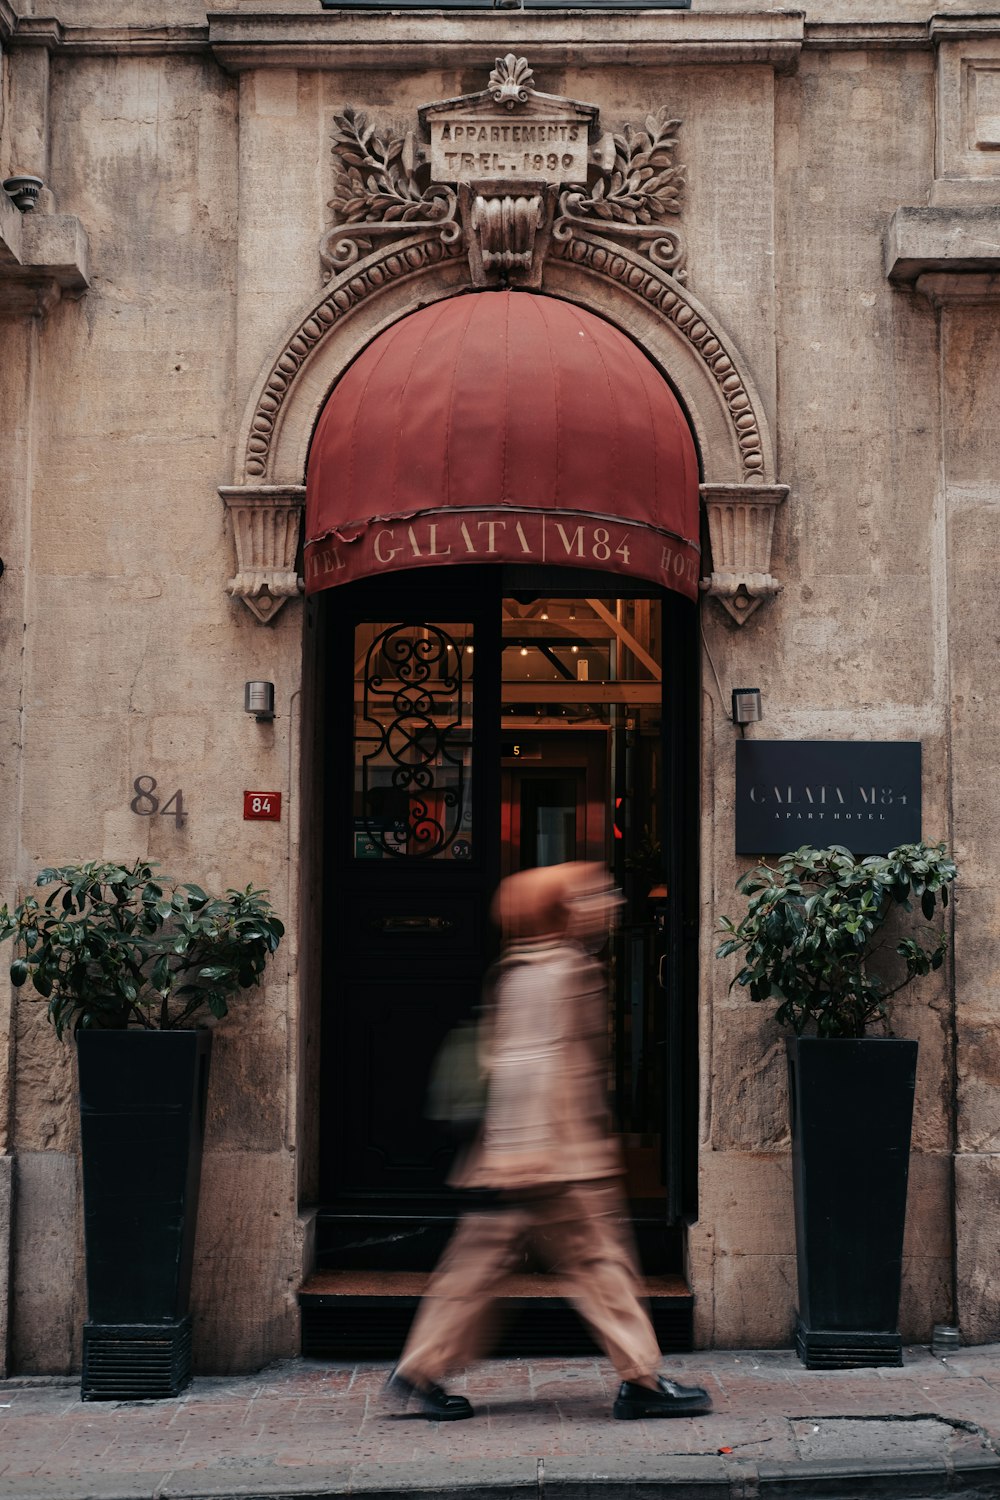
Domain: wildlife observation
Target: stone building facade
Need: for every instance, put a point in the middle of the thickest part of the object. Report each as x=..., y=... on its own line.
x=818, y=288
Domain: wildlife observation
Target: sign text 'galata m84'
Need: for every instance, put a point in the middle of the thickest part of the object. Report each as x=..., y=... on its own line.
x=564, y=538
x=863, y=794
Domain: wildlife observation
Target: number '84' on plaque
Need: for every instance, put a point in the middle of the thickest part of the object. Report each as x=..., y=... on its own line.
x=264, y=805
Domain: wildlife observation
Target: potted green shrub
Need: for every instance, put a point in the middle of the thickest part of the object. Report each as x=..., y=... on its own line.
x=815, y=939
x=131, y=963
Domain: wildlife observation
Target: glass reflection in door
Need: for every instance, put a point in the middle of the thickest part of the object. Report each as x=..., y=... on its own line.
x=581, y=747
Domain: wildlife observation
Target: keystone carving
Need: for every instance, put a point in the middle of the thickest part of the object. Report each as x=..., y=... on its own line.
x=740, y=527
x=506, y=171
x=506, y=233
x=504, y=227
x=266, y=528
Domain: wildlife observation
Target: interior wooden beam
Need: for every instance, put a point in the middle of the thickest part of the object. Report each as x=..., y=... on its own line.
x=626, y=637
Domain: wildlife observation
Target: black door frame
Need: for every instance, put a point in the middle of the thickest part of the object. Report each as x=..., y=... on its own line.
x=448, y=592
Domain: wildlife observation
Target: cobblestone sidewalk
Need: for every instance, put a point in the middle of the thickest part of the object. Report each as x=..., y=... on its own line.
x=307, y=1428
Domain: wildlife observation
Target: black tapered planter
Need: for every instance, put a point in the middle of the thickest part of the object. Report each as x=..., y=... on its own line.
x=852, y=1111
x=142, y=1123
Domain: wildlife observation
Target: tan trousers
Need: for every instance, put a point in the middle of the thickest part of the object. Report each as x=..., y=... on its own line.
x=584, y=1231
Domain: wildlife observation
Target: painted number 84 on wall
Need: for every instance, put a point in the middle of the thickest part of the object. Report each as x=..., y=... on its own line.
x=145, y=803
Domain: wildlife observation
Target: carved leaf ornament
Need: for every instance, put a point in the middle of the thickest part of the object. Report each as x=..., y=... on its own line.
x=511, y=80
x=643, y=185
x=374, y=183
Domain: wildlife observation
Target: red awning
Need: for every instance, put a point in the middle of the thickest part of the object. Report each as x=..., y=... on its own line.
x=502, y=427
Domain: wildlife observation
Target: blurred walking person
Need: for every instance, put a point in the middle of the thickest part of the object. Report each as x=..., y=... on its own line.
x=546, y=1152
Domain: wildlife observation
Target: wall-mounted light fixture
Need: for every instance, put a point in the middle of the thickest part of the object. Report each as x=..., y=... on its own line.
x=258, y=699
x=23, y=191
x=746, y=706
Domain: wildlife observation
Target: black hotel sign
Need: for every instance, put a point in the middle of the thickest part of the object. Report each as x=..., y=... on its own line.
x=864, y=794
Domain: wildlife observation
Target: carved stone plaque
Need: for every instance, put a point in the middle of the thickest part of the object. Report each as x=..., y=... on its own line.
x=509, y=131
x=470, y=144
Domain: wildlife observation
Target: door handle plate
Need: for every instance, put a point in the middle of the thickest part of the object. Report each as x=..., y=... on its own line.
x=404, y=924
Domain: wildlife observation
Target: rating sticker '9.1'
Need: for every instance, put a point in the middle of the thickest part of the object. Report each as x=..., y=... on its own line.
x=265, y=806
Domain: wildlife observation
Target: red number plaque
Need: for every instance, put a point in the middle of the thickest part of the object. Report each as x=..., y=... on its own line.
x=265, y=805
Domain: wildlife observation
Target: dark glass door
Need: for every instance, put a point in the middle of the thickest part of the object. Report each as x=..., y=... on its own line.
x=474, y=730
x=412, y=864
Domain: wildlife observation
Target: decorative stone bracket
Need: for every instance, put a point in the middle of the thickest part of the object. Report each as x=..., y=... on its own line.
x=506, y=233
x=266, y=523
x=740, y=527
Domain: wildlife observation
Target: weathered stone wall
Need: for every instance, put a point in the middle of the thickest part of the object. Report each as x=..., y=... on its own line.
x=852, y=649
x=203, y=193
x=970, y=366
x=134, y=663
x=16, y=377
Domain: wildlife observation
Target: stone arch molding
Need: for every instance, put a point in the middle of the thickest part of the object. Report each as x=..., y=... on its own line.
x=648, y=303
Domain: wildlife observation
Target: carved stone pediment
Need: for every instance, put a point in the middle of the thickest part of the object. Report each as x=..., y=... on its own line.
x=509, y=131
x=505, y=171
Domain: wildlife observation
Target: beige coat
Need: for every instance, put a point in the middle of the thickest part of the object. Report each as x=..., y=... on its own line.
x=545, y=1049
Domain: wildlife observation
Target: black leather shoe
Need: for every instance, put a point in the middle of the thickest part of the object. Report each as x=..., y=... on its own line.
x=668, y=1400
x=435, y=1403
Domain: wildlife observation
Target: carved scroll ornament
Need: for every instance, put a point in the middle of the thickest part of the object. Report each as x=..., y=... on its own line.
x=376, y=186
x=632, y=199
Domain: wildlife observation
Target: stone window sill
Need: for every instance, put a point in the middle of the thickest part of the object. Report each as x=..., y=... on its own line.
x=43, y=257
x=949, y=253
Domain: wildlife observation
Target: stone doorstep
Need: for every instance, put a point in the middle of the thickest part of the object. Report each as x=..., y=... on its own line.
x=353, y=1313
x=414, y=1284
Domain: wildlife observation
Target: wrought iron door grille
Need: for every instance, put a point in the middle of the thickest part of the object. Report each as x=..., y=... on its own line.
x=413, y=741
